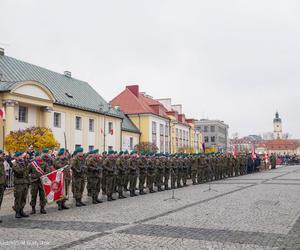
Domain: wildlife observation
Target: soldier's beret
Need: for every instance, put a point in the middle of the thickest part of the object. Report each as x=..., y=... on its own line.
x=37, y=154
x=45, y=150
x=18, y=153
x=79, y=150
x=95, y=151
x=61, y=151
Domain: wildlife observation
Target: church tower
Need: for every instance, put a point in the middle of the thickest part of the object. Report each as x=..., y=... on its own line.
x=277, y=134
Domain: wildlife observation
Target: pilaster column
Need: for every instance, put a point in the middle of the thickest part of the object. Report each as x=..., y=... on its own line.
x=46, y=117
x=9, y=115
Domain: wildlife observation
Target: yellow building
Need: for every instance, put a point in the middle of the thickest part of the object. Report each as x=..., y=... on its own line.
x=147, y=114
x=184, y=136
x=76, y=113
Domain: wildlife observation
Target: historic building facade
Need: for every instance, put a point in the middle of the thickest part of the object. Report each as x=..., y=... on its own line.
x=76, y=113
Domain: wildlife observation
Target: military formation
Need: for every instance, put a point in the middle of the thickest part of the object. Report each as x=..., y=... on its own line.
x=113, y=174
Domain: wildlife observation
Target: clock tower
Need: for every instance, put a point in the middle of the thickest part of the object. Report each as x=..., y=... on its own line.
x=277, y=123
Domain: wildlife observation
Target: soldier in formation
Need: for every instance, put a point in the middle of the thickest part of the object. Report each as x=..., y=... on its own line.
x=114, y=173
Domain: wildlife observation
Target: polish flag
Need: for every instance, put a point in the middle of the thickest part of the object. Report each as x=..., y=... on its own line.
x=2, y=113
x=53, y=185
x=253, y=155
x=234, y=151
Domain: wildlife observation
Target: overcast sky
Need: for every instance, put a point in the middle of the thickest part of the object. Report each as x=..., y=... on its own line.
x=238, y=61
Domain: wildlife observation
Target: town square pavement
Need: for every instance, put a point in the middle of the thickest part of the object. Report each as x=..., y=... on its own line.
x=257, y=211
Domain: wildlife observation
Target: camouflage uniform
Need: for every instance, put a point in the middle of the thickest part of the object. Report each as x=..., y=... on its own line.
x=167, y=173
x=36, y=185
x=121, y=171
x=58, y=163
x=179, y=172
x=174, y=172
x=141, y=163
x=94, y=172
x=132, y=167
x=110, y=171
x=185, y=169
x=150, y=174
x=194, y=170
x=159, y=174
x=21, y=186
x=78, y=181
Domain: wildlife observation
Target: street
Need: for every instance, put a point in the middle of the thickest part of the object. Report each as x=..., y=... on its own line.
x=257, y=211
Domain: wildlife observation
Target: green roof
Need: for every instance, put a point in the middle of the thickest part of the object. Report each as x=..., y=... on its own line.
x=128, y=125
x=67, y=91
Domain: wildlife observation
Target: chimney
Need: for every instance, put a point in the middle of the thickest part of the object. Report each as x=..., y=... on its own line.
x=67, y=73
x=134, y=89
x=1, y=52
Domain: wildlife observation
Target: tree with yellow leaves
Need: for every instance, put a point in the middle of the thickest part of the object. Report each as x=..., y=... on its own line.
x=37, y=136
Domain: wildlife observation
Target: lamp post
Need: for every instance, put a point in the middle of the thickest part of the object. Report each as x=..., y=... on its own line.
x=104, y=112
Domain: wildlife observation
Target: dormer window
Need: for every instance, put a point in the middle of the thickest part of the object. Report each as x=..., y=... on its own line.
x=69, y=95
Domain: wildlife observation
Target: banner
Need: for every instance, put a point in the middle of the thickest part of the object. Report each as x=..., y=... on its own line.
x=234, y=151
x=53, y=185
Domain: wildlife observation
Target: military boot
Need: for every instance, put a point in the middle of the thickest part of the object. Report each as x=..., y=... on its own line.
x=121, y=196
x=167, y=187
x=99, y=201
x=142, y=192
x=151, y=190
x=78, y=203
x=82, y=204
x=94, y=200
x=59, y=205
x=33, y=211
x=23, y=214
x=43, y=211
x=0, y=221
x=18, y=215
x=159, y=189
x=63, y=205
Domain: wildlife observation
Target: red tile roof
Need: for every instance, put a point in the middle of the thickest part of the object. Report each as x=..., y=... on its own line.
x=131, y=101
x=280, y=144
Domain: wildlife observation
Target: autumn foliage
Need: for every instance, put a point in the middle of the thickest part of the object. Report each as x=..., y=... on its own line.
x=38, y=137
x=147, y=147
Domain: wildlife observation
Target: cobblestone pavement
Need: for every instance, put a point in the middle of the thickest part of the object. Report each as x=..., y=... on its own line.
x=258, y=211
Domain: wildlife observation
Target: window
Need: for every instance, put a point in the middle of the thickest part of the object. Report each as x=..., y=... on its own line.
x=91, y=147
x=166, y=131
x=78, y=123
x=57, y=120
x=91, y=125
x=154, y=139
x=213, y=139
x=205, y=128
x=206, y=139
x=23, y=114
x=110, y=128
x=161, y=129
x=212, y=129
x=131, y=143
x=154, y=128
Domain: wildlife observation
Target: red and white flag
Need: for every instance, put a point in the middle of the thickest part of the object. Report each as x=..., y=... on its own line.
x=253, y=155
x=234, y=151
x=53, y=185
x=2, y=113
